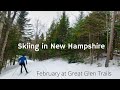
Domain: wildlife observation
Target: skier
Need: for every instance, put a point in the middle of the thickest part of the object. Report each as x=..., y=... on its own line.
x=23, y=61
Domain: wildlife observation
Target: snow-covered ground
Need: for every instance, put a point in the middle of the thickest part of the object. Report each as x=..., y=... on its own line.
x=60, y=69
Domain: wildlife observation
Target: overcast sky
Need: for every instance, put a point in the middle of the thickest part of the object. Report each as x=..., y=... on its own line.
x=46, y=17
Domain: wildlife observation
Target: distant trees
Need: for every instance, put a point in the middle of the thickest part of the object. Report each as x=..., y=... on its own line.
x=86, y=30
x=97, y=27
x=94, y=28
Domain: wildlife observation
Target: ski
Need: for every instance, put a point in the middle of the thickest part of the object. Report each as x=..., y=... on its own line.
x=28, y=73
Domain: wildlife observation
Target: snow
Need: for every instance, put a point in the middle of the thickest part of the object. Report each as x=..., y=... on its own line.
x=59, y=68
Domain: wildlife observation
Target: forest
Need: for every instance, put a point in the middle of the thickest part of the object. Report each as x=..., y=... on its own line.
x=101, y=27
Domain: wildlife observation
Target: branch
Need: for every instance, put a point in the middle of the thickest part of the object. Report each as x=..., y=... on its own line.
x=9, y=13
x=15, y=12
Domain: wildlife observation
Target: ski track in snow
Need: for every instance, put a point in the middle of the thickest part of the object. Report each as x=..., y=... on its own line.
x=60, y=65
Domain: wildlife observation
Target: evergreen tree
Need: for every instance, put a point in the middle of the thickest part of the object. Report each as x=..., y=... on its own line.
x=63, y=28
x=24, y=27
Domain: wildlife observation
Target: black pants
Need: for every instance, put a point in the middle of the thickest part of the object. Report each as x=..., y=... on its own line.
x=23, y=64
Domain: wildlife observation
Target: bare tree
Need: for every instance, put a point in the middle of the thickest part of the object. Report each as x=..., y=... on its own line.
x=38, y=28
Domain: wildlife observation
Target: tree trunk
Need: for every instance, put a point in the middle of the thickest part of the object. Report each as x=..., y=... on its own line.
x=10, y=61
x=9, y=24
x=107, y=30
x=98, y=51
x=4, y=45
x=3, y=49
x=91, y=58
x=0, y=66
x=2, y=21
x=110, y=48
x=13, y=61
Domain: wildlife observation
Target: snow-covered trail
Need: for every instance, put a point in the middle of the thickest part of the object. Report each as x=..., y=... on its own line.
x=59, y=69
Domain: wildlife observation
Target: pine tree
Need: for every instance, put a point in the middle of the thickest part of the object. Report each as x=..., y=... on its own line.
x=63, y=28
x=25, y=28
x=51, y=34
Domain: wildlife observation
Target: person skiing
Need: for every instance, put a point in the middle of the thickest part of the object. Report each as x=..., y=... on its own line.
x=23, y=61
